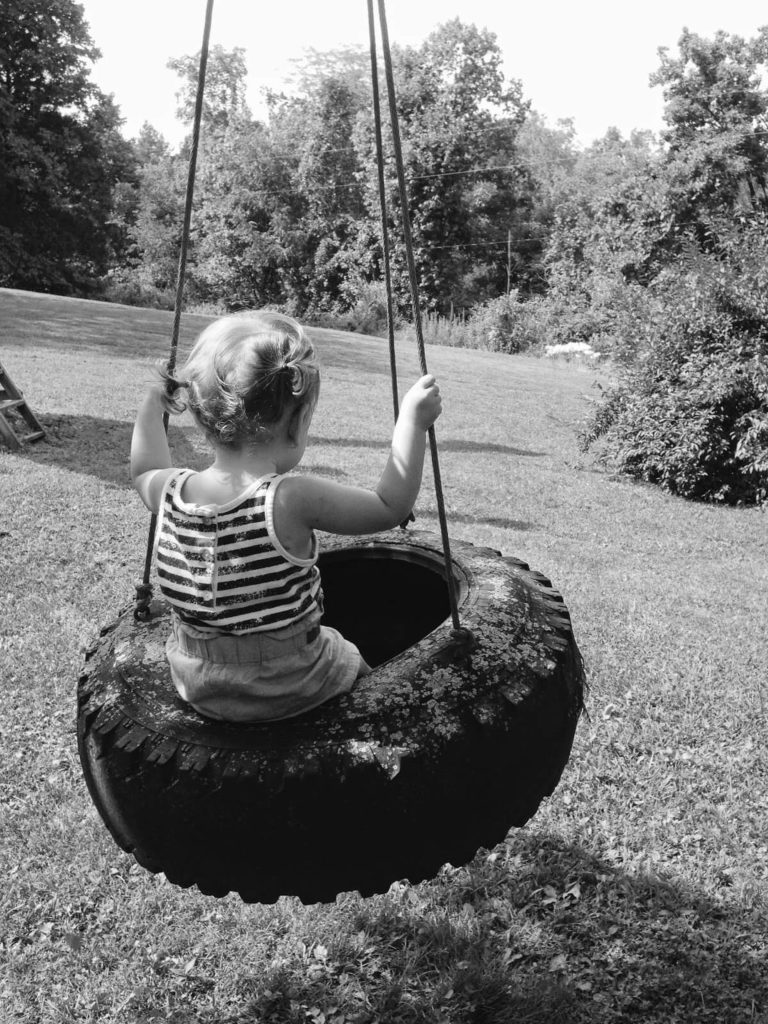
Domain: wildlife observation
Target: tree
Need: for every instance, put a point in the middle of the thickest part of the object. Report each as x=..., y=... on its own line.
x=149, y=146
x=549, y=156
x=239, y=259
x=62, y=152
x=288, y=211
x=467, y=185
x=328, y=179
x=717, y=117
x=280, y=207
x=610, y=204
x=217, y=264
x=158, y=219
x=224, y=95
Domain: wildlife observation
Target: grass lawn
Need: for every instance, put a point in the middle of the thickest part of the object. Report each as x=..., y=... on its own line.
x=639, y=892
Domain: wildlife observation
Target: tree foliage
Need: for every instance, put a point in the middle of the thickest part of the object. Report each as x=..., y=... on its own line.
x=224, y=94
x=62, y=152
x=716, y=114
x=468, y=187
x=288, y=211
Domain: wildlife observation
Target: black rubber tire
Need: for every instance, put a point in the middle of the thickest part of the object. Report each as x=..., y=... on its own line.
x=439, y=752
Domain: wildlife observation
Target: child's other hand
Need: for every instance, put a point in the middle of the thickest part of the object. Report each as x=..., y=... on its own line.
x=168, y=402
x=423, y=402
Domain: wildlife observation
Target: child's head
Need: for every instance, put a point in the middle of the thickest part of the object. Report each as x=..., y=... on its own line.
x=246, y=374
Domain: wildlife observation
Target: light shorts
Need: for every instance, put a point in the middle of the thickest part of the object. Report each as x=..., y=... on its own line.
x=261, y=677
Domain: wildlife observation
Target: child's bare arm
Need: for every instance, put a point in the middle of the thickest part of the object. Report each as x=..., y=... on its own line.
x=150, y=455
x=335, y=508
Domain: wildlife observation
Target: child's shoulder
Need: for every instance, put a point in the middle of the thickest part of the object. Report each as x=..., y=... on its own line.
x=296, y=485
x=152, y=485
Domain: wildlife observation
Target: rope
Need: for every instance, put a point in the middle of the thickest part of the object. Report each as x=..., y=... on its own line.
x=410, y=518
x=144, y=589
x=458, y=631
x=383, y=207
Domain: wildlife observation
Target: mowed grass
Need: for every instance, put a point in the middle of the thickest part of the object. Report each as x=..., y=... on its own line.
x=637, y=893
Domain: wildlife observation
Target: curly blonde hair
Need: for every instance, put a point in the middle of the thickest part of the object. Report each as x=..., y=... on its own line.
x=244, y=372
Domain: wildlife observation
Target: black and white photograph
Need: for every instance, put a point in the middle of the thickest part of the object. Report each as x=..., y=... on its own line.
x=383, y=494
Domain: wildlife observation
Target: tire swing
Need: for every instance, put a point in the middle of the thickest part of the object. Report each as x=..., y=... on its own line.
x=463, y=727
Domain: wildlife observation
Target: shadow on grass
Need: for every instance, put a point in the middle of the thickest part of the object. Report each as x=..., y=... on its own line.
x=543, y=932
x=471, y=996
x=444, y=445
x=98, y=447
x=470, y=520
x=101, y=448
x=628, y=946
x=488, y=447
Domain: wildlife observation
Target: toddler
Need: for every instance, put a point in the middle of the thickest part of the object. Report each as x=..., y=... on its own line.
x=236, y=549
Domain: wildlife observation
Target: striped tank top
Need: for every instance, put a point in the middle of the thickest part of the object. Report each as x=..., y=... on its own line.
x=222, y=567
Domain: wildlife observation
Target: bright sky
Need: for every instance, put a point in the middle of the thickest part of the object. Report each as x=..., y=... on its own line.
x=588, y=60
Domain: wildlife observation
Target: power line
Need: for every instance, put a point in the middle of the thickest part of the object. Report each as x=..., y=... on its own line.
x=490, y=243
x=362, y=183
x=745, y=133
x=348, y=184
x=472, y=133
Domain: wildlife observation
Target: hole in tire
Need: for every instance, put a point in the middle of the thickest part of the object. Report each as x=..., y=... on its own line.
x=383, y=599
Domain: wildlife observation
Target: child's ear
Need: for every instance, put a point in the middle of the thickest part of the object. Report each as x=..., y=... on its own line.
x=301, y=415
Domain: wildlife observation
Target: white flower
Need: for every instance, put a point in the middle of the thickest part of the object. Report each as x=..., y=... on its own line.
x=571, y=348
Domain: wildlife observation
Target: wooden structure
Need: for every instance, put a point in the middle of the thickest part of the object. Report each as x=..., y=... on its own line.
x=12, y=401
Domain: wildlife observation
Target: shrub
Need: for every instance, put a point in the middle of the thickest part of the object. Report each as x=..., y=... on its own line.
x=444, y=330
x=506, y=324
x=499, y=325
x=698, y=436
x=691, y=413
x=366, y=312
x=503, y=324
x=621, y=315
x=131, y=292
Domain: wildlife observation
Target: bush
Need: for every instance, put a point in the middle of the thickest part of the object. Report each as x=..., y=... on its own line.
x=494, y=325
x=443, y=330
x=606, y=322
x=691, y=413
x=503, y=324
x=366, y=312
x=499, y=325
x=506, y=324
x=131, y=292
x=698, y=436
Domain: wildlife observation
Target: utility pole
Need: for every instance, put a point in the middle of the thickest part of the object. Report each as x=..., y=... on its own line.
x=509, y=258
